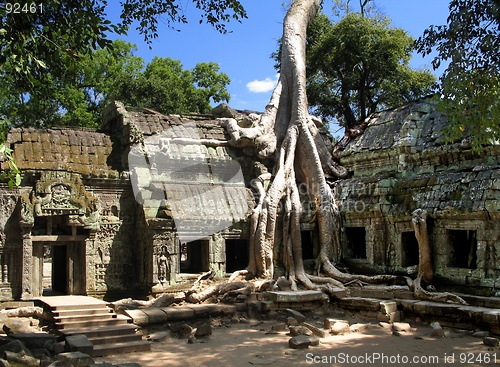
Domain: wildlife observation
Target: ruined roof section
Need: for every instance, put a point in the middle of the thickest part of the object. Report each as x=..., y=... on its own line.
x=86, y=152
x=407, y=141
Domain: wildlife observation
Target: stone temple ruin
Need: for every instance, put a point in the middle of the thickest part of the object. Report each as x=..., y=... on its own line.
x=116, y=220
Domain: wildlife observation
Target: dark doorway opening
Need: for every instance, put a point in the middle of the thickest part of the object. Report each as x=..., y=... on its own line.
x=194, y=256
x=463, y=252
x=236, y=255
x=307, y=245
x=356, y=242
x=55, y=270
x=409, y=249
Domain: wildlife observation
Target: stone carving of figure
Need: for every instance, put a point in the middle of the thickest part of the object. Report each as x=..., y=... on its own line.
x=164, y=265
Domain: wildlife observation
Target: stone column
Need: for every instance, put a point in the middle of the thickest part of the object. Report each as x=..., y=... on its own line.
x=90, y=281
x=27, y=263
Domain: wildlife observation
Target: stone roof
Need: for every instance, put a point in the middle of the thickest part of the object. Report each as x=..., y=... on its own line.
x=401, y=163
x=408, y=140
x=82, y=151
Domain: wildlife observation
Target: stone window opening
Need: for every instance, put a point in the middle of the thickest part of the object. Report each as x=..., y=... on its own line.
x=307, y=245
x=194, y=256
x=409, y=249
x=356, y=242
x=463, y=246
x=237, y=252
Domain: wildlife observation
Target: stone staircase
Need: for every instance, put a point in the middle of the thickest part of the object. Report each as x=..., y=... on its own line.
x=108, y=332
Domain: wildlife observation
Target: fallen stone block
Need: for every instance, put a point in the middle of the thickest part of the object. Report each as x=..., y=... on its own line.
x=77, y=359
x=155, y=315
x=388, y=307
x=358, y=328
x=37, y=340
x=279, y=327
x=138, y=317
x=321, y=333
x=15, y=346
x=396, y=316
x=296, y=296
x=79, y=343
x=296, y=315
x=481, y=334
x=340, y=327
x=20, y=359
x=401, y=327
x=291, y=321
x=178, y=313
x=437, y=330
x=299, y=330
x=158, y=336
x=491, y=342
x=303, y=341
x=221, y=309
x=204, y=329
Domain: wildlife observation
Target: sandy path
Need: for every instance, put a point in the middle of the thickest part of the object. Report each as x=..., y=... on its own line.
x=244, y=344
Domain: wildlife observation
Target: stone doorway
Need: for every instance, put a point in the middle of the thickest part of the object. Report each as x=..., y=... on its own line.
x=58, y=268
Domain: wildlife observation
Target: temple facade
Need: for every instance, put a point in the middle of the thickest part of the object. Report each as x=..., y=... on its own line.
x=401, y=163
x=148, y=202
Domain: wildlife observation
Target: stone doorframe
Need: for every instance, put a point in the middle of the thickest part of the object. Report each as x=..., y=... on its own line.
x=57, y=193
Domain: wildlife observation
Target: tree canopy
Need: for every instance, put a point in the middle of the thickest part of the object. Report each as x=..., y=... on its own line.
x=359, y=65
x=168, y=88
x=470, y=85
x=48, y=47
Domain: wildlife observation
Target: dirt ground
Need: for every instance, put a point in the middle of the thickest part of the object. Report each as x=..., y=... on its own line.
x=252, y=343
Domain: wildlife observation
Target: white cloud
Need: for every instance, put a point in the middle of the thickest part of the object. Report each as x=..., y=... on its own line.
x=262, y=86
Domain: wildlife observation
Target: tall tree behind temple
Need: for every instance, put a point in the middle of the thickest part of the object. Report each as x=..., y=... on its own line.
x=168, y=88
x=360, y=65
x=470, y=85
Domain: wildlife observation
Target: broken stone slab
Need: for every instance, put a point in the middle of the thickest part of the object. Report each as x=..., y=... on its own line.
x=296, y=296
x=437, y=330
x=358, y=328
x=292, y=321
x=15, y=346
x=79, y=343
x=296, y=315
x=204, y=329
x=300, y=330
x=321, y=333
x=221, y=309
x=481, y=334
x=201, y=310
x=279, y=327
x=37, y=340
x=21, y=359
x=303, y=341
x=77, y=359
x=340, y=327
x=158, y=336
x=401, y=327
x=138, y=317
x=155, y=315
x=388, y=307
x=178, y=313
x=491, y=342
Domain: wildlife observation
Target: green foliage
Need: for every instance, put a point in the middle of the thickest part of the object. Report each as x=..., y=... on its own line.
x=166, y=87
x=470, y=85
x=57, y=64
x=13, y=175
x=360, y=65
x=147, y=13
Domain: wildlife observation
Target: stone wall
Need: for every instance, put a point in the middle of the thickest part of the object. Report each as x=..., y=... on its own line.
x=400, y=164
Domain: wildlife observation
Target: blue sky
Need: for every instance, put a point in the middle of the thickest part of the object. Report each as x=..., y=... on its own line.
x=244, y=54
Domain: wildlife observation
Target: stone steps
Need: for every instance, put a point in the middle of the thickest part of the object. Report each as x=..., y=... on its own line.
x=108, y=332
